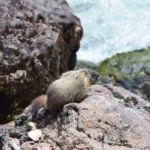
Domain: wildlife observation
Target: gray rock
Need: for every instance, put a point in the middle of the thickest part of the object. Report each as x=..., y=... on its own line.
x=101, y=121
x=32, y=146
x=127, y=70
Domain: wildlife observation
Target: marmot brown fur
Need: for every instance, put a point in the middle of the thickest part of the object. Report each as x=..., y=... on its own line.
x=72, y=86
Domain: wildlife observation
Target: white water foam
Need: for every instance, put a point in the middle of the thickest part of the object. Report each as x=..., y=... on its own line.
x=112, y=26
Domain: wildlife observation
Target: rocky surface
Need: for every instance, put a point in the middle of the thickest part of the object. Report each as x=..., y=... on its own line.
x=130, y=70
x=109, y=118
x=37, y=44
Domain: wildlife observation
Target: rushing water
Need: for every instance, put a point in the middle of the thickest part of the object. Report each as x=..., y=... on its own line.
x=112, y=26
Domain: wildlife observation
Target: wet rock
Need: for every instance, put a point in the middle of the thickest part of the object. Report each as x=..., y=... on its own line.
x=37, y=44
x=101, y=121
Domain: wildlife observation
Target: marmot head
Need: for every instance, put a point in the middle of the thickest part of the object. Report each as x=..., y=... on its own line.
x=91, y=74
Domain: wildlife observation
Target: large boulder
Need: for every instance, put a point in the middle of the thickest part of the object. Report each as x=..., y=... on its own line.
x=37, y=43
x=110, y=118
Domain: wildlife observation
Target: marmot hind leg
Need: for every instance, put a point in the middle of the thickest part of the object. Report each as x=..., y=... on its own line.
x=35, y=110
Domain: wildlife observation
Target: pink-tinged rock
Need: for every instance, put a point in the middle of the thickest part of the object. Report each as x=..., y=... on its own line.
x=35, y=146
x=102, y=121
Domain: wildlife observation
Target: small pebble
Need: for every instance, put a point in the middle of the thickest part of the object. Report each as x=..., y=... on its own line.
x=35, y=135
x=31, y=126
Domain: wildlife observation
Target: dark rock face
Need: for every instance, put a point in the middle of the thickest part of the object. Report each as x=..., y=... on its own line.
x=110, y=118
x=36, y=46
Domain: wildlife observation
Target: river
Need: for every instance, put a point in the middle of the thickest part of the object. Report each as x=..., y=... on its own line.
x=112, y=26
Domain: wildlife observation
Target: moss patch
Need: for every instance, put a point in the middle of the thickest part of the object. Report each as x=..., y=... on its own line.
x=126, y=65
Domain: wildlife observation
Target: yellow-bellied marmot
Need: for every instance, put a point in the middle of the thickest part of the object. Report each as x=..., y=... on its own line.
x=72, y=86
